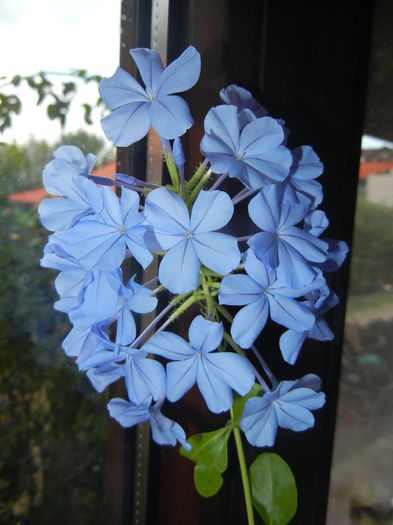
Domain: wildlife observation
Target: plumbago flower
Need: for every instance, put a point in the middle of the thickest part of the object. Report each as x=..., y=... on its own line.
x=191, y=239
x=134, y=108
x=278, y=275
x=215, y=373
x=288, y=406
x=254, y=155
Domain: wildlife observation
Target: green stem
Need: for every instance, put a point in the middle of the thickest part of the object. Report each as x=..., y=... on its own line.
x=232, y=343
x=182, y=308
x=244, y=473
x=224, y=312
x=198, y=187
x=190, y=184
x=208, y=297
x=172, y=169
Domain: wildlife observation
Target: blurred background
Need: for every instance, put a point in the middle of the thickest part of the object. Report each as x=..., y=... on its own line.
x=53, y=427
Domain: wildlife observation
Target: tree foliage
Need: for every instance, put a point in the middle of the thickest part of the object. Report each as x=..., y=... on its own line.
x=56, y=95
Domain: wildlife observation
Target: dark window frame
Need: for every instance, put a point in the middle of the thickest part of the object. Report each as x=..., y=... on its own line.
x=307, y=63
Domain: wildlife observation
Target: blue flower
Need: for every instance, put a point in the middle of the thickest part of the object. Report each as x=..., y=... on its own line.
x=99, y=301
x=68, y=161
x=288, y=406
x=105, y=375
x=132, y=298
x=281, y=244
x=216, y=374
x=144, y=377
x=88, y=297
x=319, y=303
x=237, y=96
x=135, y=108
x=82, y=343
x=99, y=242
x=316, y=222
x=262, y=294
x=80, y=197
x=164, y=430
x=248, y=107
x=305, y=168
x=337, y=252
x=190, y=240
x=254, y=155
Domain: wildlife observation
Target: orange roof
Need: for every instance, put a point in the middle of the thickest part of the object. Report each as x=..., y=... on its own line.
x=372, y=168
x=35, y=196
x=107, y=170
x=28, y=197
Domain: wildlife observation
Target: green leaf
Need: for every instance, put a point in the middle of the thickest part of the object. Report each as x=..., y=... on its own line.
x=239, y=402
x=87, y=113
x=16, y=80
x=69, y=87
x=210, y=453
x=273, y=488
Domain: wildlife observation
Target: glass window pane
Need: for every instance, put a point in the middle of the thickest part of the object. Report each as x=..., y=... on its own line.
x=361, y=489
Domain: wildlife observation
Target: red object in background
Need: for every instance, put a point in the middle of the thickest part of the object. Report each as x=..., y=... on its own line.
x=374, y=167
x=35, y=196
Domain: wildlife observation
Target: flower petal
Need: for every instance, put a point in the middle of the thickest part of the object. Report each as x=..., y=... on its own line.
x=259, y=421
x=60, y=213
x=223, y=122
x=258, y=270
x=249, y=322
x=179, y=268
x=312, y=248
x=169, y=345
x=167, y=213
x=217, y=251
x=135, y=240
x=290, y=313
x=306, y=164
x=205, y=336
x=149, y=65
x=212, y=210
x=164, y=431
x=170, y=116
x=103, y=376
x=120, y=89
x=153, y=375
x=181, y=376
x=239, y=290
x=125, y=329
x=265, y=208
x=291, y=343
x=127, y=124
x=264, y=246
x=100, y=300
x=293, y=269
x=181, y=74
x=219, y=153
x=233, y=370
x=218, y=395
x=96, y=245
x=127, y=414
x=261, y=136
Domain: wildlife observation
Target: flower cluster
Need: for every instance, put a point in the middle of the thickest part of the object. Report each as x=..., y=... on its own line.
x=277, y=273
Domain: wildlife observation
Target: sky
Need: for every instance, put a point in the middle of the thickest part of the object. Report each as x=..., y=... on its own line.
x=57, y=35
